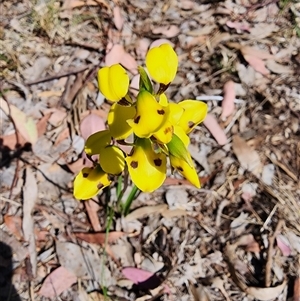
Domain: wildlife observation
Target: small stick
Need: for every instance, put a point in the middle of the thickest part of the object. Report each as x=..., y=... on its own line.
x=270, y=251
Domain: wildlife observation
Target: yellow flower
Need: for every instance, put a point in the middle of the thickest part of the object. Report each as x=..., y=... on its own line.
x=194, y=112
x=150, y=115
x=162, y=64
x=96, y=142
x=117, y=121
x=113, y=82
x=147, y=168
x=185, y=169
x=89, y=182
x=112, y=160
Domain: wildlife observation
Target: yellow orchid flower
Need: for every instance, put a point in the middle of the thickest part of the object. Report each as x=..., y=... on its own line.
x=96, y=142
x=89, y=182
x=150, y=115
x=162, y=64
x=112, y=160
x=147, y=169
x=194, y=113
x=117, y=121
x=113, y=82
x=186, y=170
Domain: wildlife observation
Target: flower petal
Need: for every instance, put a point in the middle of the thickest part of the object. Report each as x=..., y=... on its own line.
x=162, y=63
x=113, y=82
x=89, y=182
x=165, y=133
x=194, y=112
x=112, y=160
x=96, y=142
x=117, y=121
x=146, y=168
x=187, y=171
x=150, y=115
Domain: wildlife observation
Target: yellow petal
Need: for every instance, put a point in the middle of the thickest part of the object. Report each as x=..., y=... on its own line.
x=187, y=171
x=194, y=112
x=96, y=142
x=150, y=115
x=178, y=130
x=117, y=121
x=89, y=182
x=112, y=160
x=165, y=133
x=162, y=63
x=147, y=169
x=113, y=82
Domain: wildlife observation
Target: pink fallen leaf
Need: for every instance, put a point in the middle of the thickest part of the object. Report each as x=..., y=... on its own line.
x=118, y=18
x=115, y=55
x=129, y=62
x=100, y=238
x=259, y=53
x=90, y=125
x=134, y=84
x=217, y=132
x=284, y=245
x=158, y=42
x=257, y=64
x=58, y=281
x=142, y=47
x=228, y=100
x=144, y=279
x=239, y=26
x=168, y=31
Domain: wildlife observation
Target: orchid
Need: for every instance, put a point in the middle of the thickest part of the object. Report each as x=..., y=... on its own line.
x=157, y=128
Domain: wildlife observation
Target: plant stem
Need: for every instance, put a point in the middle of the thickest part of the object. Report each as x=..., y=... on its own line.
x=129, y=200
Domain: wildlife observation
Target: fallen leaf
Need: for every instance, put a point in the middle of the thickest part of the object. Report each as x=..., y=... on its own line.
x=14, y=225
x=239, y=26
x=168, y=31
x=257, y=64
x=30, y=196
x=129, y=62
x=283, y=244
x=248, y=158
x=58, y=281
x=142, y=47
x=145, y=211
x=90, y=125
x=259, y=53
x=144, y=279
x=278, y=68
x=158, y=42
x=213, y=126
x=25, y=125
x=115, y=55
x=100, y=238
x=118, y=18
x=228, y=100
x=92, y=209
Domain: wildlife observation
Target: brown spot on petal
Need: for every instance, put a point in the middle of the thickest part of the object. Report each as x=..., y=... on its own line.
x=180, y=168
x=134, y=164
x=168, y=130
x=191, y=124
x=100, y=185
x=161, y=112
x=85, y=174
x=137, y=119
x=157, y=162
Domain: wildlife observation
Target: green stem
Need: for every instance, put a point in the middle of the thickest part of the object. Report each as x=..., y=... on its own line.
x=131, y=197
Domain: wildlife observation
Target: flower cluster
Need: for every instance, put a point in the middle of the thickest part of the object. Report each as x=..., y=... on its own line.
x=158, y=129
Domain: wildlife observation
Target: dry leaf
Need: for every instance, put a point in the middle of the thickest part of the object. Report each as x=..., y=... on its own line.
x=25, y=125
x=168, y=31
x=279, y=69
x=118, y=18
x=144, y=211
x=213, y=126
x=239, y=26
x=30, y=196
x=259, y=53
x=115, y=55
x=249, y=159
x=58, y=281
x=90, y=125
x=129, y=62
x=283, y=244
x=92, y=209
x=257, y=64
x=14, y=225
x=100, y=238
x=158, y=42
x=228, y=100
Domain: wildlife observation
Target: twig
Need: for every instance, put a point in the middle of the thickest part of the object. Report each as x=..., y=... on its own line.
x=270, y=252
x=57, y=76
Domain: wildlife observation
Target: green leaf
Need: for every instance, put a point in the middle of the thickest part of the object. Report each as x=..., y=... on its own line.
x=177, y=149
x=145, y=82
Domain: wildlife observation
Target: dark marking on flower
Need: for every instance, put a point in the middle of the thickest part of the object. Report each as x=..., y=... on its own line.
x=161, y=112
x=157, y=162
x=134, y=164
x=100, y=185
x=168, y=130
x=85, y=174
x=191, y=124
x=137, y=119
x=180, y=168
